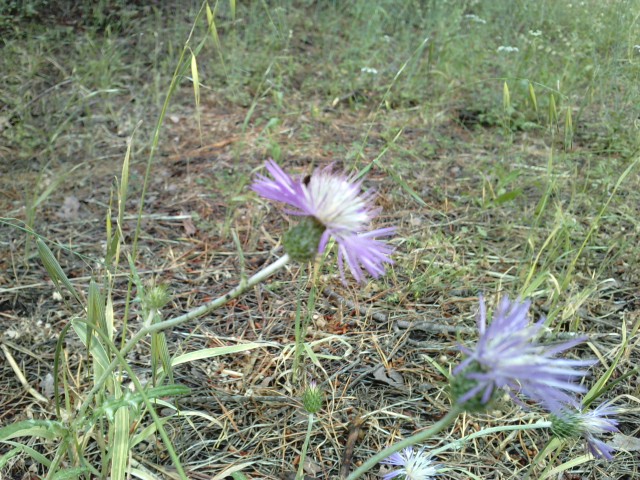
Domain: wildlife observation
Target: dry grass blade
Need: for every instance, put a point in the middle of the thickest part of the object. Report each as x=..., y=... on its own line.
x=231, y=470
x=214, y=352
x=21, y=377
x=196, y=90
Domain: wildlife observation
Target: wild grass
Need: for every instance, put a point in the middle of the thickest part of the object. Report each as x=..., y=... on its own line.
x=501, y=138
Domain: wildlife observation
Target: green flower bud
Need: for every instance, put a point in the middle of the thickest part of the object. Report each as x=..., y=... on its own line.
x=301, y=241
x=461, y=385
x=567, y=427
x=312, y=398
x=157, y=297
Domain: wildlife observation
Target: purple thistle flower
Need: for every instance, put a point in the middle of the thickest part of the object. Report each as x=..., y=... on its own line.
x=508, y=356
x=415, y=465
x=338, y=204
x=567, y=423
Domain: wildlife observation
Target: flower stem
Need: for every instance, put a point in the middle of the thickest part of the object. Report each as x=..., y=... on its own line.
x=220, y=301
x=305, y=446
x=444, y=422
x=488, y=431
x=303, y=316
x=174, y=322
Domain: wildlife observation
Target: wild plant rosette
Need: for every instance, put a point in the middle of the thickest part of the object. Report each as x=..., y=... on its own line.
x=332, y=205
x=508, y=356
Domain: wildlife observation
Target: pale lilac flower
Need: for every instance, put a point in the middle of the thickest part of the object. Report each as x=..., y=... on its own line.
x=508, y=356
x=337, y=202
x=414, y=465
x=569, y=422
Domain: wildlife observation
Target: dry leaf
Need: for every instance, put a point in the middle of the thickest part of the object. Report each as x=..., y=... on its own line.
x=189, y=227
x=390, y=377
x=69, y=209
x=46, y=385
x=625, y=442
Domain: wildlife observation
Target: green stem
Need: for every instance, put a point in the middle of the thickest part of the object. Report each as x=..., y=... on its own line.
x=419, y=437
x=301, y=323
x=488, y=431
x=439, y=426
x=175, y=80
x=297, y=332
x=305, y=447
x=173, y=322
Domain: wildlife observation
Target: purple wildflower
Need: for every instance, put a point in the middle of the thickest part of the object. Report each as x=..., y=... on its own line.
x=508, y=356
x=415, y=465
x=568, y=423
x=338, y=204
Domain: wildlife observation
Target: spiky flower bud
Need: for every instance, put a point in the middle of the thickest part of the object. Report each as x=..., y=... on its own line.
x=157, y=297
x=301, y=241
x=567, y=426
x=312, y=398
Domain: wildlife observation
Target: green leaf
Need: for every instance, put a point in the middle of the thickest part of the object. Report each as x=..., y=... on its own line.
x=8, y=456
x=120, y=444
x=97, y=350
x=54, y=269
x=48, y=429
x=508, y=196
x=71, y=473
x=160, y=355
x=110, y=406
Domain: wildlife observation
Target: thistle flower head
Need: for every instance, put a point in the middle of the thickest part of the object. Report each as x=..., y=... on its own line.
x=413, y=465
x=581, y=423
x=157, y=297
x=312, y=398
x=336, y=203
x=508, y=356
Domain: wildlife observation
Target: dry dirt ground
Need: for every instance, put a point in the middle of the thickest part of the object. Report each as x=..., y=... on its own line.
x=375, y=344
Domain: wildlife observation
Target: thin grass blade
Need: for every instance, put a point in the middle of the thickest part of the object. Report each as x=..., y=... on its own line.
x=54, y=269
x=24, y=450
x=120, y=445
x=214, y=352
x=533, y=98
